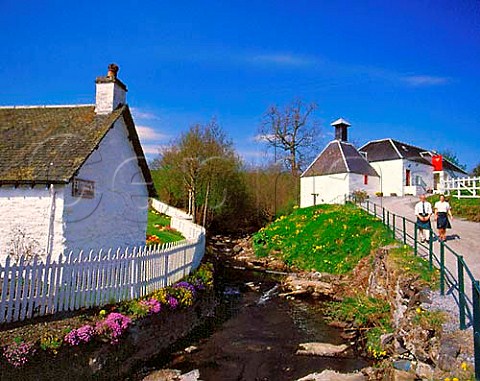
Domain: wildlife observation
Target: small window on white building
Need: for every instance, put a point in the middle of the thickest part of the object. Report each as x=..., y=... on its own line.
x=365, y=179
x=83, y=188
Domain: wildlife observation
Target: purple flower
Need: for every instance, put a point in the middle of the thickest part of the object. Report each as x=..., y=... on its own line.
x=17, y=354
x=185, y=285
x=80, y=335
x=152, y=304
x=172, y=302
x=113, y=326
x=199, y=285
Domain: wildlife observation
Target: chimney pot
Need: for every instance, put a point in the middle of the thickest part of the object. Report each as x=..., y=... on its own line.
x=112, y=71
x=341, y=126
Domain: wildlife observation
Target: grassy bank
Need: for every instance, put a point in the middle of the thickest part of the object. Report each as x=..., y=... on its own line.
x=159, y=226
x=327, y=238
x=468, y=208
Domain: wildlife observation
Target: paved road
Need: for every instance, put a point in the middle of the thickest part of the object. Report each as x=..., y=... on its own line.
x=463, y=238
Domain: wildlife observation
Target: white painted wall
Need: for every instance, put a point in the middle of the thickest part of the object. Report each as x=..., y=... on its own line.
x=391, y=174
x=30, y=210
x=108, y=96
x=356, y=182
x=117, y=215
x=421, y=176
x=330, y=188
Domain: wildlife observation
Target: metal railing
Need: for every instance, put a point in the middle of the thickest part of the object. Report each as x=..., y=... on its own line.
x=456, y=276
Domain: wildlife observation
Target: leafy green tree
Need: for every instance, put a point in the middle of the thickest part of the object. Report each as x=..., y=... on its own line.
x=202, y=173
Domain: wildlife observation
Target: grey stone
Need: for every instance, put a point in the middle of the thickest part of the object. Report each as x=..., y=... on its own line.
x=194, y=375
x=386, y=338
x=163, y=375
x=424, y=370
x=321, y=349
x=401, y=375
x=330, y=375
x=405, y=365
x=237, y=249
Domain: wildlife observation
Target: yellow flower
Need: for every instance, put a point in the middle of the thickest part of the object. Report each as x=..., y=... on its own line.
x=419, y=311
x=447, y=379
x=455, y=379
x=102, y=313
x=464, y=366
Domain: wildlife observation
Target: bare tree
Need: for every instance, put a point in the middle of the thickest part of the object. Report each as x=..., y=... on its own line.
x=292, y=131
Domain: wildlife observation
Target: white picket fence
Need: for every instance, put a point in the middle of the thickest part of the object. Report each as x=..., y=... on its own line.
x=169, y=210
x=40, y=287
x=463, y=187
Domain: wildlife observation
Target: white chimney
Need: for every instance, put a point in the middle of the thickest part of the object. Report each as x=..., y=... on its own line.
x=110, y=91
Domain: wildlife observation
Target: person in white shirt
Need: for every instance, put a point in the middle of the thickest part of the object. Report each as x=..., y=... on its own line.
x=442, y=212
x=423, y=212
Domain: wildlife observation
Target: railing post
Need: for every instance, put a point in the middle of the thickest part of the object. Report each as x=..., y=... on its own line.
x=430, y=248
x=375, y=210
x=461, y=292
x=476, y=326
x=383, y=216
x=404, y=230
x=415, y=239
x=368, y=206
x=388, y=218
x=442, y=268
x=393, y=225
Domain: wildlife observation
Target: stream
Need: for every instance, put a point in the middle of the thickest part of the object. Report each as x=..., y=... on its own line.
x=255, y=333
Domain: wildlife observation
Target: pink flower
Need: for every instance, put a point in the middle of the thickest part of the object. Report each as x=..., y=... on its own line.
x=80, y=335
x=17, y=354
x=113, y=326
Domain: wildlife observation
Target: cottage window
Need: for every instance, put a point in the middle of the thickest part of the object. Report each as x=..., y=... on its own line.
x=83, y=188
x=365, y=179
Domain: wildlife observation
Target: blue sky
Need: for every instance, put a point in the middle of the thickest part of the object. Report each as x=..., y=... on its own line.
x=402, y=69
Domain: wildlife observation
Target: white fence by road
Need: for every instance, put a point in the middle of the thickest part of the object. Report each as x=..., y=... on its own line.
x=464, y=187
x=41, y=287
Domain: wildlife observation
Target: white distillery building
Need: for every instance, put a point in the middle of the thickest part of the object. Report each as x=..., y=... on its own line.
x=337, y=171
x=72, y=177
x=405, y=169
x=385, y=166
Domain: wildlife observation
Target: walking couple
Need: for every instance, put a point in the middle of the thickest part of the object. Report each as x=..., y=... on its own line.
x=423, y=212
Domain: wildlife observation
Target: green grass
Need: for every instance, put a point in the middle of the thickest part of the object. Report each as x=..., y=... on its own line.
x=158, y=225
x=327, y=238
x=468, y=208
x=365, y=312
x=404, y=259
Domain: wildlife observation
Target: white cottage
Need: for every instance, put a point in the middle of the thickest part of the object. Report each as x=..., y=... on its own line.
x=72, y=177
x=405, y=169
x=337, y=171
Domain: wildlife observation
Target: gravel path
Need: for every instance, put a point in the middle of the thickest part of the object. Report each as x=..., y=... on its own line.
x=463, y=238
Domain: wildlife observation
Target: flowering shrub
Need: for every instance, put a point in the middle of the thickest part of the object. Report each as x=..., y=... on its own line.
x=153, y=305
x=80, y=335
x=153, y=239
x=18, y=353
x=172, y=302
x=50, y=341
x=113, y=326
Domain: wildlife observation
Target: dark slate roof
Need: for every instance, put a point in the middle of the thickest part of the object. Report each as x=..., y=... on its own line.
x=390, y=149
x=34, y=137
x=339, y=157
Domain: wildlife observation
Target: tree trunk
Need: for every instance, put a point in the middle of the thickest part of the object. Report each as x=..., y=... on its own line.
x=205, y=207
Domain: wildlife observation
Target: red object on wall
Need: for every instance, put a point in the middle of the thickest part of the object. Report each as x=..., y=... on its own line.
x=437, y=162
